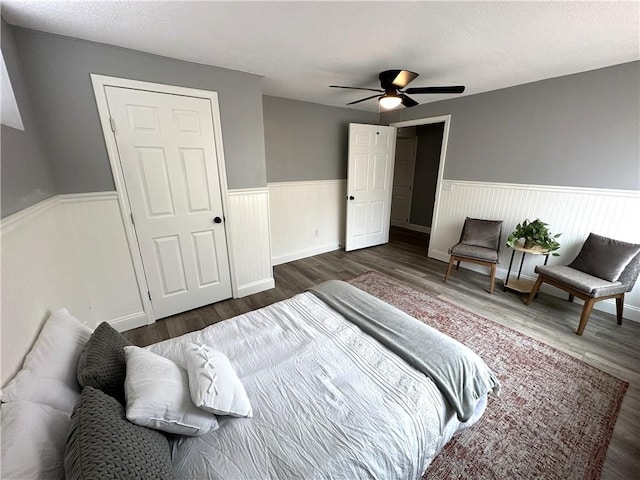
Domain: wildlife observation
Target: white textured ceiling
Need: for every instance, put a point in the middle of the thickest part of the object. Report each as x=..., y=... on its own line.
x=300, y=48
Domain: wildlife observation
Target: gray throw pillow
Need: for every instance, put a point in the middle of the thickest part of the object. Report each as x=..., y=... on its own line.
x=604, y=257
x=102, y=363
x=102, y=443
x=482, y=233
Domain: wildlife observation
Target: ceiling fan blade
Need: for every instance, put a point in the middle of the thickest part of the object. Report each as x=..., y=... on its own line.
x=450, y=89
x=396, y=78
x=404, y=78
x=357, y=88
x=408, y=101
x=363, y=99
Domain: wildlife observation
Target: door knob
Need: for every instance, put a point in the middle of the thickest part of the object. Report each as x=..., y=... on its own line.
x=351, y=197
x=217, y=220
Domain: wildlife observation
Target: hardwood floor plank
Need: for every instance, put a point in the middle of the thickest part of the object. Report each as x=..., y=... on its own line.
x=189, y=322
x=605, y=345
x=210, y=315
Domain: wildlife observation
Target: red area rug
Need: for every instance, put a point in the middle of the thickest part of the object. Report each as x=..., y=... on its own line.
x=555, y=414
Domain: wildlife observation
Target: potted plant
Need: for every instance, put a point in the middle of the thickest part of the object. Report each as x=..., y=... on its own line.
x=536, y=235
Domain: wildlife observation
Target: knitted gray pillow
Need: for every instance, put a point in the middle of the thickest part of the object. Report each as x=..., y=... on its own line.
x=102, y=443
x=102, y=364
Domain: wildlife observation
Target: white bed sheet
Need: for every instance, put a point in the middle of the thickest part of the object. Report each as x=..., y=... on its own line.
x=328, y=401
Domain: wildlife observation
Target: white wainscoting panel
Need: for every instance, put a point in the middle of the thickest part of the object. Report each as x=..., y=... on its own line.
x=249, y=241
x=67, y=251
x=571, y=211
x=307, y=218
x=102, y=253
x=37, y=278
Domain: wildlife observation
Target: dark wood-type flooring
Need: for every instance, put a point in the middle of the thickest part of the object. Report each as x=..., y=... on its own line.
x=605, y=345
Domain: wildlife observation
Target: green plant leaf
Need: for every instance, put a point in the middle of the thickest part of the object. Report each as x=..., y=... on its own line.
x=534, y=233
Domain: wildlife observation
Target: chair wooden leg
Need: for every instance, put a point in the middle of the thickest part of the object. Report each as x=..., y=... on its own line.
x=534, y=290
x=458, y=265
x=446, y=275
x=493, y=277
x=586, y=311
x=570, y=297
x=619, y=307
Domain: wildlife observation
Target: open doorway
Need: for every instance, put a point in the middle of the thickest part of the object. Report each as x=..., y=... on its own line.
x=420, y=153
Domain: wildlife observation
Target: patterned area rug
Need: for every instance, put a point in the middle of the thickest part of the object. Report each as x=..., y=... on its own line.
x=555, y=414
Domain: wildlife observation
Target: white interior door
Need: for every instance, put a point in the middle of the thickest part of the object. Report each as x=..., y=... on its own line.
x=167, y=153
x=405, y=165
x=369, y=184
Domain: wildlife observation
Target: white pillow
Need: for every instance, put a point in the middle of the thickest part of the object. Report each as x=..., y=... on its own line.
x=157, y=393
x=214, y=385
x=48, y=374
x=33, y=441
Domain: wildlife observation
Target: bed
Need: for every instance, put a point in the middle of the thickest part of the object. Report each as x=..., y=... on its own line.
x=340, y=385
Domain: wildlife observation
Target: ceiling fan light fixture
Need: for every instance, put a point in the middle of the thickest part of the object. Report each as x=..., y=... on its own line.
x=389, y=101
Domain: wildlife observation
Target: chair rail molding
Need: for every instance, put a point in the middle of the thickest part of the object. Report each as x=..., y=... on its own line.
x=572, y=211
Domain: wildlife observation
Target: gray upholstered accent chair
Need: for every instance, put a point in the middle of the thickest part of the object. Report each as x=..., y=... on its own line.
x=479, y=243
x=604, y=268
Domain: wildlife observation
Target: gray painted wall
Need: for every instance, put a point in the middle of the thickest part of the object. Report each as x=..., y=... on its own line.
x=57, y=70
x=578, y=130
x=425, y=175
x=26, y=178
x=306, y=141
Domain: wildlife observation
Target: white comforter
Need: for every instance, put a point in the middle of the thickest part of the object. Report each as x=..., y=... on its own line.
x=328, y=402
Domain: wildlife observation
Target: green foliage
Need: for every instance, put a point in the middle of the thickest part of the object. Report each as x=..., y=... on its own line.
x=535, y=234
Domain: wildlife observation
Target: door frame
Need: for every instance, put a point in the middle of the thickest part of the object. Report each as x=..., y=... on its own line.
x=100, y=82
x=443, y=155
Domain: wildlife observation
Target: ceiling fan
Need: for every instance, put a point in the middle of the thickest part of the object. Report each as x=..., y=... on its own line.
x=392, y=82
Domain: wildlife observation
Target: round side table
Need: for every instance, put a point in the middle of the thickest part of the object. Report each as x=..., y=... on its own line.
x=522, y=286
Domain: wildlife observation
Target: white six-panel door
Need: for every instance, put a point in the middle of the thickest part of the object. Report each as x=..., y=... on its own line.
x=167, y=152
x=369, y=184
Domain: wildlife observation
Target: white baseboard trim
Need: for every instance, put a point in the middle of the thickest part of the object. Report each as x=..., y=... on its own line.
x=128, y=322
x=631, y=312
x=255, y=287
x=305, y=253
